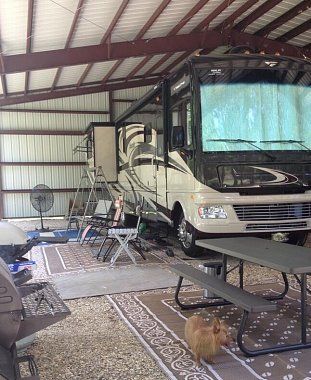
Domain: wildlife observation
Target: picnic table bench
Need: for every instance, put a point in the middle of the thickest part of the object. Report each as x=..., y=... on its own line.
x=230, y=293
x=285, y=258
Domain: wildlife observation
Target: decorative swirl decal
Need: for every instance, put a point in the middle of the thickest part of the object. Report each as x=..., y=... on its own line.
x=281, y=177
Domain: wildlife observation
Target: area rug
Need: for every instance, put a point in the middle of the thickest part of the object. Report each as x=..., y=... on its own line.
x=68, y=258
x=159, y=323
x=71, y=234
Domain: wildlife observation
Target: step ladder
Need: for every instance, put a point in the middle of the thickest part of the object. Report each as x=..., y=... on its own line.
x=92, y=187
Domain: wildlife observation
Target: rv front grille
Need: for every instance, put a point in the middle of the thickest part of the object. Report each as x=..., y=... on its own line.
x=276, y=211
x=276, y=226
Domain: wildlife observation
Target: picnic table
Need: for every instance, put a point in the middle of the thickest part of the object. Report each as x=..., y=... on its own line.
x=285, y=258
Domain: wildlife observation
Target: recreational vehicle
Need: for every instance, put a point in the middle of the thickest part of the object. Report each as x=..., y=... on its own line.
x=222, y=147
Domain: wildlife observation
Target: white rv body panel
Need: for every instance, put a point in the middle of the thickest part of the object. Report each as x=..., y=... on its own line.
x=182, y=180
x=164, y=187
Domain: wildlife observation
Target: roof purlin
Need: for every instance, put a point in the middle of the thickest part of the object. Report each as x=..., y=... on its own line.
x=76, y=91
x=229, y=21
x=293, y=12
x=158, y=76
x=295, y=32
x=105, y=37
x=69, y=38
x=141, y=33
x=2, y=66
x=198, y=28
x=258, y=12
x=194, y=10
x=29, y=38
x=225, y=4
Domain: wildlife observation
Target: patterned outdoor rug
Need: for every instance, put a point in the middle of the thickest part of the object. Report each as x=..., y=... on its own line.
x=68, y=258
x=159, y=324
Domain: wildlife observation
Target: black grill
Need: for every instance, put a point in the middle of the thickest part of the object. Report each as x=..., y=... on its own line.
x=276, y=211
x=276, y=226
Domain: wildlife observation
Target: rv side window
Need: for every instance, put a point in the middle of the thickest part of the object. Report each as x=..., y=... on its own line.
x=180, y=110
x=148, y=133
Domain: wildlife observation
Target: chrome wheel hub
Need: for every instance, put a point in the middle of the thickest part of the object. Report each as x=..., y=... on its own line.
x=184, y=235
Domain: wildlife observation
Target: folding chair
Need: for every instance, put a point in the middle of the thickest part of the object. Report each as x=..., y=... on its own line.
x=124, y=236
x=110, y=223
x=98, y=221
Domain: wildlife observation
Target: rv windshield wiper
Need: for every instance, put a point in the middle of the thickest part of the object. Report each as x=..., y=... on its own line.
x=299, y=142
x=250, y=142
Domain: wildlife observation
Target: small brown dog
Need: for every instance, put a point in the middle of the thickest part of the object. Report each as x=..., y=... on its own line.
x=205, y=340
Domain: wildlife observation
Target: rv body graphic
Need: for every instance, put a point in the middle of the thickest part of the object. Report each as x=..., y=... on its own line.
x=221, y=148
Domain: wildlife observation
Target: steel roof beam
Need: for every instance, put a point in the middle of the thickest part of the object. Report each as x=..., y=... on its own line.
x=295, y=32
x=289, y=15
x=106, y=37
x=34, y=97
x=29, y=38
x=261, y=10
x=69, y=38
x=160, y=45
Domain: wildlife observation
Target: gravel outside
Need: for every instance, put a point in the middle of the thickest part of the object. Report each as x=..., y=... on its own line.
x=95, y=343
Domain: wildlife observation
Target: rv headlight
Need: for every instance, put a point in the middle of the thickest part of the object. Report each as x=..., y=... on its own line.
x=212, y=212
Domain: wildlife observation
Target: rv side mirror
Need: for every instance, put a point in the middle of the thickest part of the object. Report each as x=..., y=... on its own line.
x=177, y=137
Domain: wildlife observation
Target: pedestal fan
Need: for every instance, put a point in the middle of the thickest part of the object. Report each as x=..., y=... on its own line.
x=42, y=199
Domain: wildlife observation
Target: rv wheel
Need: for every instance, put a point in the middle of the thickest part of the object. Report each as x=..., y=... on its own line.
x=298, y=237
x=187, y=235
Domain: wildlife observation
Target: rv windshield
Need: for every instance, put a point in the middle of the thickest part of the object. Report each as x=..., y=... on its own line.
x=274, y=117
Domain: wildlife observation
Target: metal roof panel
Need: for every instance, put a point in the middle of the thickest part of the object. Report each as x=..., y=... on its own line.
x=135, y=15
x=94, y=20
x=149, y=64
x=200, y=16
x=270, y=16
x=291, y=24
x=41, y=78
x=98, y=71
x=13, y=21
x=15, y=82
x=226, y=13
x=70, y=75
x=169, y=18
x=51, y=23
x=171, y=60
x=126, y=67
x=249, y=11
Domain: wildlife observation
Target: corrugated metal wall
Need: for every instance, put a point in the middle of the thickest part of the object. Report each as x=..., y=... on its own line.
x=130, y=93
x=44, y=149
x=53, y=148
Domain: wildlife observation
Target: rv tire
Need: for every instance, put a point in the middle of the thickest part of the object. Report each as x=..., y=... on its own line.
x=187, y=236
x=298, y=238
